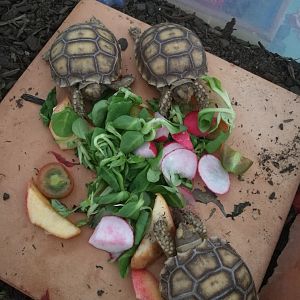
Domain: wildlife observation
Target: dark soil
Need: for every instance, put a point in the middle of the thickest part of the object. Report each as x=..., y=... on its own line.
x=26, y=25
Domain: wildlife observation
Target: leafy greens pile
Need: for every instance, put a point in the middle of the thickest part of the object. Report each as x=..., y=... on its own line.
x=125, y=183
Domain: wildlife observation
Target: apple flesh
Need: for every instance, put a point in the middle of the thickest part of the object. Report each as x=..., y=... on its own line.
x=42, y=214
x=149, y=249
x=145, y=285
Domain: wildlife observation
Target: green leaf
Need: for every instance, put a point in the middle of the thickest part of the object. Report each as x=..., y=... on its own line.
x=141, y=226
x=145, y=115
x=110, y=178
x=62, y=122
x=154, y=104
x=112, y=198
x=130, y=209
x=156, y=123
x=61, y=208
x=128, y=95
x=99, y=113
x=205, y=121
x=176, y=115
x=80, y=128
x=224, y=109
x=130, y=141
x=233, y=161
x=214, y=145
x=124, y=261
x=117, y=109
x=82, y=222
x=140, y=182
x=47, y=107
x=127, y=123
x=171, y=194
x=153, y=175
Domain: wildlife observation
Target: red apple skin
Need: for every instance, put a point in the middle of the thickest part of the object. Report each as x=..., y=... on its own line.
x=145, y=285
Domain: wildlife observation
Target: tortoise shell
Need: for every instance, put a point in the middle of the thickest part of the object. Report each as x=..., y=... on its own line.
x=168, y=52
x=212, y=270
x=85, y=53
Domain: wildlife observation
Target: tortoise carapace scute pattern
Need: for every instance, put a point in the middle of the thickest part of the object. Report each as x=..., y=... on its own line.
x=212, y=270
x=85, y=53
x=169, y=52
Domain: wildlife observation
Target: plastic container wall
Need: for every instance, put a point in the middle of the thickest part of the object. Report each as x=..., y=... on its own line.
x=275, y=23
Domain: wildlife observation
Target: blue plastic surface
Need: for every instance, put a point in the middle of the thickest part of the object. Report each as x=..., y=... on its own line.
x=118, y=3
x=275, y=23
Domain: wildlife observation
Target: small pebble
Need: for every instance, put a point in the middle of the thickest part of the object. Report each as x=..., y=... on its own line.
x=123, y=43
x=6, y=196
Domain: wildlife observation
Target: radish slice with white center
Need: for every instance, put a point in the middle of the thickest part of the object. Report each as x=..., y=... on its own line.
x=147, y=150
x=180, y=161
x=163, y=132
x=169, y=148
x=112, y=234
x=213, y=174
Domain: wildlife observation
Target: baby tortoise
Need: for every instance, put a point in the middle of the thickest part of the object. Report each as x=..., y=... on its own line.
x=87, y=58
x=171, y=58
x=199, y=267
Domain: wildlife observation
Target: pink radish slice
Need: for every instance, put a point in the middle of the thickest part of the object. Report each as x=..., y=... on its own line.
x=183, y=138
x=187, y=195
x=180, y=161
x=114, y=256
x=112, y=234
x=163, y=132
x=147, y=150
x=171, y=147
x=213, y=174
x=191, y=123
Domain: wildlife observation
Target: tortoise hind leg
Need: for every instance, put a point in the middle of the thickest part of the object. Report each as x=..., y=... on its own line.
x=200, y=93
x=77, y=102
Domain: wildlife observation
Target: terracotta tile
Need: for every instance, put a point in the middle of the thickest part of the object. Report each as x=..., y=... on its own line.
x=34, y=262
x=284, y=283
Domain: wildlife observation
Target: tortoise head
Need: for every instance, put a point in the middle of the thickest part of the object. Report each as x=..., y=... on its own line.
x=190, y=232
x=93, y=91
x=182, y=90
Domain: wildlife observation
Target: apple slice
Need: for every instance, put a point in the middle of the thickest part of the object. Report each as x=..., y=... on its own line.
x=149, y=249
x=42, y=214
x=145, y=285
x=68, y=142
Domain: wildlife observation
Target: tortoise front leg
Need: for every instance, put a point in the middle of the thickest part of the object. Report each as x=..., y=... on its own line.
x=200, y=93
x=77, y=102
x=165, y=102
x=163, y=237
